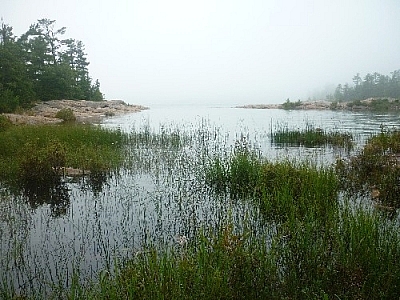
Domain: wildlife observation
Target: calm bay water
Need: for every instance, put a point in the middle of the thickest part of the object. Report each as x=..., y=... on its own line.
x=101, y=225
x=257, y=124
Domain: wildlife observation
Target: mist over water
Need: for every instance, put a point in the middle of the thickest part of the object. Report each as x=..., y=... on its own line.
x=222, y=52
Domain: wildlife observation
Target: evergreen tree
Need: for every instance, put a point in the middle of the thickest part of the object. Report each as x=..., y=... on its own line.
x=41, y=65
x=16, y=88
x=372, y=86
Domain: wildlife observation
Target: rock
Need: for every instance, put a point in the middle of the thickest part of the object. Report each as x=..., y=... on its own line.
x=85, y=111
x=261, y=106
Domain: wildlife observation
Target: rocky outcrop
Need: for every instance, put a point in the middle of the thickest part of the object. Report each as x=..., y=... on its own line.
x=261, y=106
x=319, y=105
x=370, y=104
x=84, y=111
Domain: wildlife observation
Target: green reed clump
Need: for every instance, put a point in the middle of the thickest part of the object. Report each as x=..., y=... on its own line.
x=280, y=188
x=221, y=266
x=376, y=168
x=39, y=166
x=237, y=174
x=311, y=137
x=42, y=151
x=287, y=189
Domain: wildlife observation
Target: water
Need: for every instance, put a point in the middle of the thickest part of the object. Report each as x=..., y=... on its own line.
x=256, y=125
x=98, y=224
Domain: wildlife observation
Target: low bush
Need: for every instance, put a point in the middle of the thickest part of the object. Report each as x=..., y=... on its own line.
x=41, y=166
x=5, y=123
x=66, y=114
x=375, y=169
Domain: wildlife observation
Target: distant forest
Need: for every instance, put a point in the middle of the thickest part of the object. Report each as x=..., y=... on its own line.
x=41, y=65
x=371, y=86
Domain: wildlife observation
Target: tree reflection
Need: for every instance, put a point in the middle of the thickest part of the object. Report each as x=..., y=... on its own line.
x=96, y=181
x=55, y=195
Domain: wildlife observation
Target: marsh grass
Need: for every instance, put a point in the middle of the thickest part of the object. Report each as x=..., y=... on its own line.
x=311, y=137
x=375, y=168
x=39, y=152
x=310, y=244
x=280, y=188
x=351, y=255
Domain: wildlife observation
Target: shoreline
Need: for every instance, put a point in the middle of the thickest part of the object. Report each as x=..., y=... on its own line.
x=306, y=105
x=370, y=104
x=85, y=111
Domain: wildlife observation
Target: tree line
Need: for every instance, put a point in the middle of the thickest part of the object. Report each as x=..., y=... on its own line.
x=371, y=86
x=41, y=65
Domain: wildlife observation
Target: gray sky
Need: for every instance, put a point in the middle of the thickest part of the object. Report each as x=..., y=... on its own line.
x=222, y=52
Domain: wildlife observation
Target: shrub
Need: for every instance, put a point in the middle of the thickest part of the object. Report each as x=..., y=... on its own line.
x=5, y=123
x=291, y=105
x=8, y=101
x=66, y=114
x=41, y=166
x=375, y=168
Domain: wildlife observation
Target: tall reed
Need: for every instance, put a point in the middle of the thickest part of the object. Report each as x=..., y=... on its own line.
x=310, y=244
x=311, y=137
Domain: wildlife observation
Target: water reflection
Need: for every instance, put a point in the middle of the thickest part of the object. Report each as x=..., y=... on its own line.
x=96, y=182
x=56, y=196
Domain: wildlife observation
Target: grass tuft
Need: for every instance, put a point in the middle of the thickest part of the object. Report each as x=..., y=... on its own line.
x=311, y=137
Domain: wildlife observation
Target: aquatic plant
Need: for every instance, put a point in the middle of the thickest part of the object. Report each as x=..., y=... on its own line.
x=311, y=137
x=39, y=155
x=351, y=255
x=40, y=166
x=213, y=222
x=280, y=188
x=375, y=170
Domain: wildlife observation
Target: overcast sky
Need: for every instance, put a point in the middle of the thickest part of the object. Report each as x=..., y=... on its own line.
x=222, y=52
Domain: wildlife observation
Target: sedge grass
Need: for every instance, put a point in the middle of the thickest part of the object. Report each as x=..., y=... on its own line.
x=352, y=256
x=83, y=147
x=280, y=188
x=311, y=244
x=311, y=137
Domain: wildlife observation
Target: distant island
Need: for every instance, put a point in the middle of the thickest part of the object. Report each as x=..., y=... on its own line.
x=375, y=92
x=370, y=104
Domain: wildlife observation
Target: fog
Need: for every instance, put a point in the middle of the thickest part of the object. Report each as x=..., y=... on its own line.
x=153, y=52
